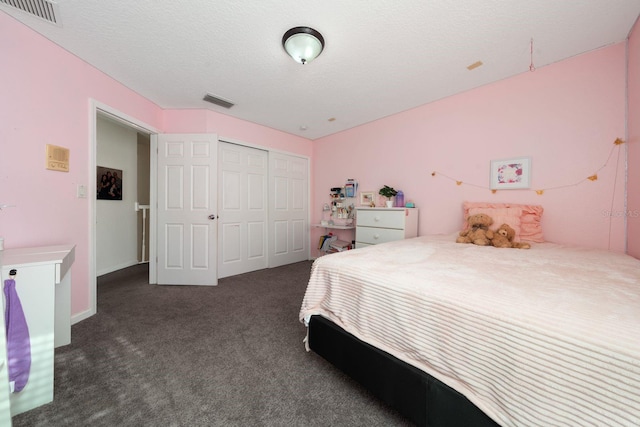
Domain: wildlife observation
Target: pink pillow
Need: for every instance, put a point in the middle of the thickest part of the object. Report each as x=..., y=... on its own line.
x=528, y=227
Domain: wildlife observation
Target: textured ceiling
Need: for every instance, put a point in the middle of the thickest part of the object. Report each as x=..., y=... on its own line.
x=381, y=56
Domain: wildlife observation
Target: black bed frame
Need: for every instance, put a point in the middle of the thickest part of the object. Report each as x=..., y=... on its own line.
x=413, y=393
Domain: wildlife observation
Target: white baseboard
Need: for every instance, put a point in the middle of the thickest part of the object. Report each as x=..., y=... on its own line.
x=113, y=268
x=79, y=317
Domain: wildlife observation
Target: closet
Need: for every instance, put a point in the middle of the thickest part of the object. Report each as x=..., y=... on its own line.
x=262, y=209
x=243, y=197
x=226, y=208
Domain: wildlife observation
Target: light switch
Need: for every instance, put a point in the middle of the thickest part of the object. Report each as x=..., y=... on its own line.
x=82, y=191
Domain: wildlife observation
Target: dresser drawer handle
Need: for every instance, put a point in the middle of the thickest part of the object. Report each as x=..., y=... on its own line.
x=376, y=218
x=376, y=236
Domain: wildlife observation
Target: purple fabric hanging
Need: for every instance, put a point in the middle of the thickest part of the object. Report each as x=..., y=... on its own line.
x=18, y=342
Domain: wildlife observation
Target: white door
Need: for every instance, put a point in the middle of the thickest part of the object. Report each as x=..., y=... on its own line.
x=288, y=209
x=186, y=229
x=242, y=208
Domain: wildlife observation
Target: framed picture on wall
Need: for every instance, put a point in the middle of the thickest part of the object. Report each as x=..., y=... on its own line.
x=366, y=198
x=109, y=183
x=510, y=174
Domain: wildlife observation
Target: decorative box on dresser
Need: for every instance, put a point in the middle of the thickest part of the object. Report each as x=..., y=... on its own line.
x=381, y=225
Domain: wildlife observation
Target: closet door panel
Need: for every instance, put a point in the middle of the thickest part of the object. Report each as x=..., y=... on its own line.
x=242, y=221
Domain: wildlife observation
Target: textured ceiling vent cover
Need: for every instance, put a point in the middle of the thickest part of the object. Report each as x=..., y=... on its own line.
x=214, y=99
x=43, y=9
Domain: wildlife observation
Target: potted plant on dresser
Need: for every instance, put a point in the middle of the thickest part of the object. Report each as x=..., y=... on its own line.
x=388, y=192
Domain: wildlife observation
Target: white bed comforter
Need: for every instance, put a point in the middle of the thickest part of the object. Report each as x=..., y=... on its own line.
x=543, y=337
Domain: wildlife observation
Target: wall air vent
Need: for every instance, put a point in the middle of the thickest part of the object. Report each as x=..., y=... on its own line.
x=43, y=9
x=216, y=100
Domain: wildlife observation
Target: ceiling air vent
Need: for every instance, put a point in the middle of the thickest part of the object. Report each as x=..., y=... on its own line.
x=43, y=9
x=215, y=100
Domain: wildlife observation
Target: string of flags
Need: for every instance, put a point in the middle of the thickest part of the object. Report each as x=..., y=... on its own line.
x=594, y=177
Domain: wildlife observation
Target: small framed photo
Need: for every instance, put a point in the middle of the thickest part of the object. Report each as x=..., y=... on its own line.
x=511, y=174
x=109, y=182
x=366, y=198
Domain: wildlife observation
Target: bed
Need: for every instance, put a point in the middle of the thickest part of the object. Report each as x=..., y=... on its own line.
x=456, y=334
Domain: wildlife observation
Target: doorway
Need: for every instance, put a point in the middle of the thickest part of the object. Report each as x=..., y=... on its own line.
x=98, y=109
x=122, y=157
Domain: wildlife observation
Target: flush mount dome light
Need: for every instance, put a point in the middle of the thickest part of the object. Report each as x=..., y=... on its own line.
x=303, y=44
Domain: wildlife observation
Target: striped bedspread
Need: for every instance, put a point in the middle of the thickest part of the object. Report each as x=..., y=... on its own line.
x=548, y=336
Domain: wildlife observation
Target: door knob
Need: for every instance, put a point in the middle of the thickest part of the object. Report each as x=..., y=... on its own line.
x=212, y=217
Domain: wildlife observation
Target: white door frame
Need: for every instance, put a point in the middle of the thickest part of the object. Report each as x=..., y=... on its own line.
x=96, y=108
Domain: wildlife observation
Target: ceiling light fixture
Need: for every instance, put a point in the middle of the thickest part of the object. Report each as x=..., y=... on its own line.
x=303, y=44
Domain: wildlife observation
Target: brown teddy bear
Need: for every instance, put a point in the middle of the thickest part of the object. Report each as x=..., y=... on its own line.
x=503, y=238
x=477, y=231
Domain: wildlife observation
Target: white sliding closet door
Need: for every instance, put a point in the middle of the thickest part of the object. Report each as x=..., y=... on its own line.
x=288, y=209
x=242, y=206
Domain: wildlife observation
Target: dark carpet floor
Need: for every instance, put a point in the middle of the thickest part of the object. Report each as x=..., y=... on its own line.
x=228, y=355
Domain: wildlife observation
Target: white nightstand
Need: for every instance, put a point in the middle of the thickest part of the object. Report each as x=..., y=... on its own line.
x=381, y=225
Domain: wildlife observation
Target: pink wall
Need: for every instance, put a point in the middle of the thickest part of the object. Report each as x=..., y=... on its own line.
x=51, y=105
x=565, y=116
x=633, y=143
x=45, y=100
x=227, y=127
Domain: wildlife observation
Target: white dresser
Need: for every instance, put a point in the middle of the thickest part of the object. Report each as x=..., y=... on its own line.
x=381, y=225
x=43, y=284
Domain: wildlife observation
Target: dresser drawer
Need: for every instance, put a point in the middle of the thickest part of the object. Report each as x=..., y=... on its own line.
x=381, y=218
x=375, y=236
